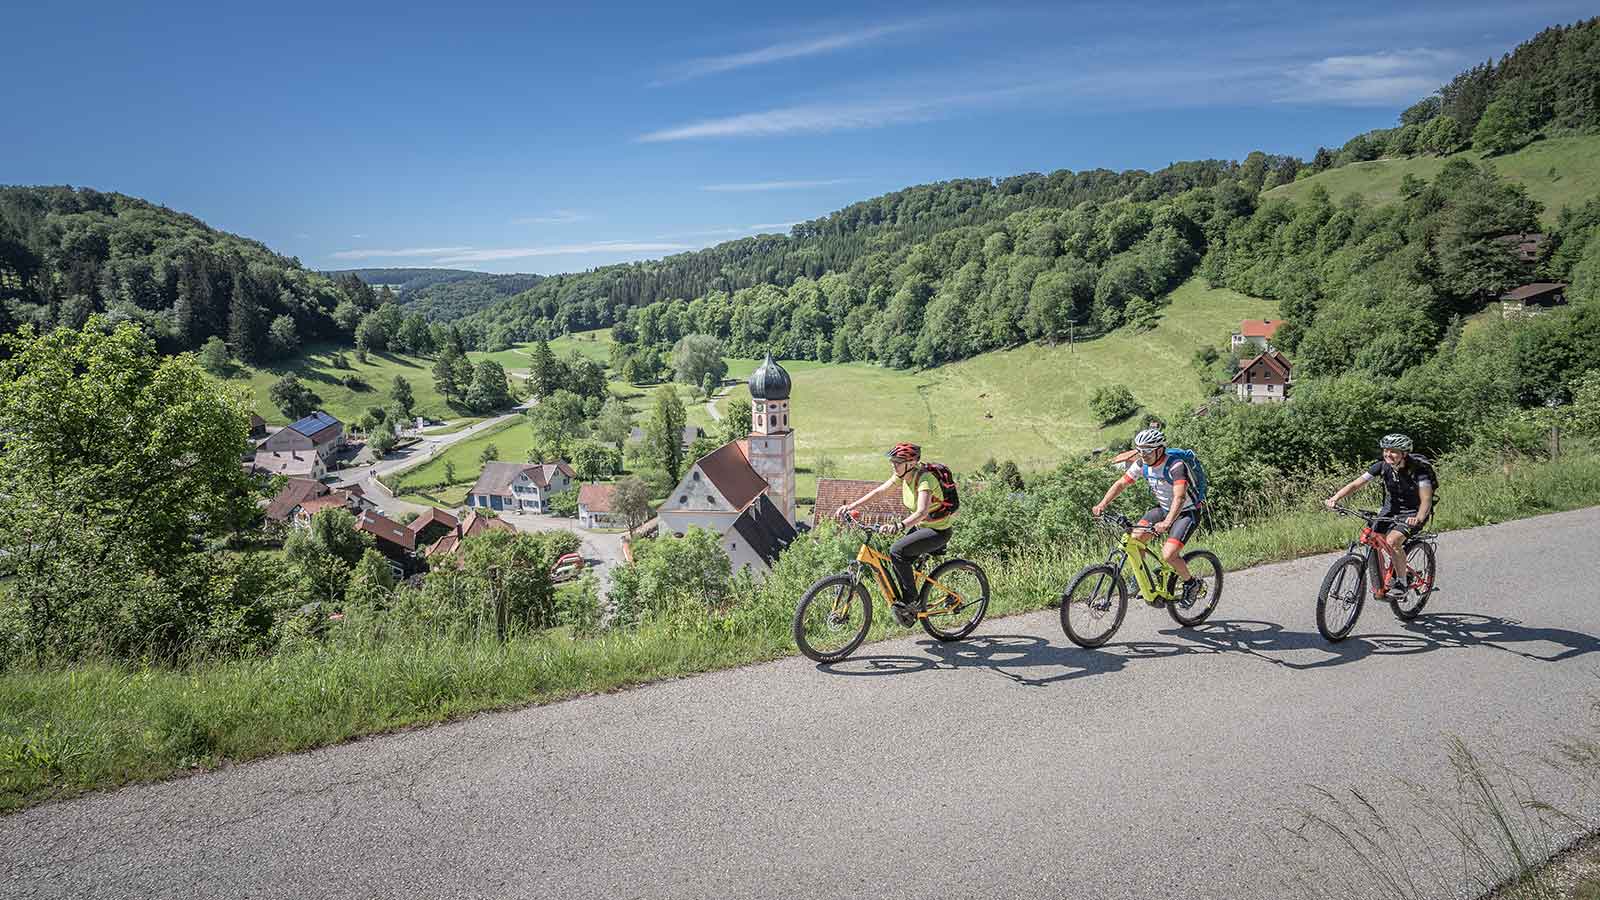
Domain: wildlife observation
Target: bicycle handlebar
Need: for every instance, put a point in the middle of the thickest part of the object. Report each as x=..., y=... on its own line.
x=1370, y=516
x=1115, y=519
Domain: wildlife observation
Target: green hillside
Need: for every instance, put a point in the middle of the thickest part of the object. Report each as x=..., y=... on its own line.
x=314, y=367
x=1561, y=171
x=1030, y=404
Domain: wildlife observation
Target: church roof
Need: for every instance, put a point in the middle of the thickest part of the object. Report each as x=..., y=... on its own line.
x=728, y=469
x=764, y=529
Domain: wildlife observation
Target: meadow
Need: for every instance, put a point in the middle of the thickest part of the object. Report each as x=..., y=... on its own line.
x=1558, y=171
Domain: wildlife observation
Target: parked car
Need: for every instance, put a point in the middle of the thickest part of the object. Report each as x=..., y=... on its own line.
x=568, y=567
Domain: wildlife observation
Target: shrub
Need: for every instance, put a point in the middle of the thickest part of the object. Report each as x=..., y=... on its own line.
x=691, y=571
x=1112, y=403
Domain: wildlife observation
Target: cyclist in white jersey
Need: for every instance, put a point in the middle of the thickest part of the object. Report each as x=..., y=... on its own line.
x=1175, y=513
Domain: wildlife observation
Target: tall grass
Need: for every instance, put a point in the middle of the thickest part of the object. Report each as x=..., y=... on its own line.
x=104, y=724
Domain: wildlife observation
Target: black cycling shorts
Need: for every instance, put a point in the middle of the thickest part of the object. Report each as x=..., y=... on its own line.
x=1399, y=524
x=1182, y=526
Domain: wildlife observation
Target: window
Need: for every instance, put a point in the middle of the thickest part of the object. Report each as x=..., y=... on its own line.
x=786, y=420
x=711, y=500
x=694, y=476
x=683, y=498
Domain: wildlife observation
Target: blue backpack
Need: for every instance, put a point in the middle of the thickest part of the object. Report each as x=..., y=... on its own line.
x=1189, y=459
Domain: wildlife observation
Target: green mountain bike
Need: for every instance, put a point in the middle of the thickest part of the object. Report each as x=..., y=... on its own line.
x=1096, y=599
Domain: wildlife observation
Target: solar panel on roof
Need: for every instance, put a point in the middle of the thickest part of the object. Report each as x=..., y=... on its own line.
x=313, y=423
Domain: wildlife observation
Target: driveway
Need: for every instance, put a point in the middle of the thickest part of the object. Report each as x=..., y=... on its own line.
x=601, y=552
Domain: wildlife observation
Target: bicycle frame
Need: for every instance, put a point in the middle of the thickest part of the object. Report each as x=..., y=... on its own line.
x=1376, y=553
x=882, y=567
x=1138, y=554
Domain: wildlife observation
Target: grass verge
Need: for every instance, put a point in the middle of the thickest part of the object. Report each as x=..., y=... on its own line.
x=102, y=725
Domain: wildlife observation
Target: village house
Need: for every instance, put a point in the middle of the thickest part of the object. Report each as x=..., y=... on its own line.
x=595, y=507
x=520, y=487
x=1265, y=378
x=302, y=498
x=473, y=523
x=301, y=449
x=1256, y=333
x=833, y=493
x=745, y=489
x=396, y=542
x=1532, y=299
x=433, y=524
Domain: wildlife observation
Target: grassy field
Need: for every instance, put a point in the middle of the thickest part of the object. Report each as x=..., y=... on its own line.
x=314, y=367
x=1030, y=405
x=101, y=725
x=1560, y=171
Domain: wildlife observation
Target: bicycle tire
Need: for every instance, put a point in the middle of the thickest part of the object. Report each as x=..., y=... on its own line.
x=1408, y=610
x=1071, y=601
x=981, y=605
x=1199, y=612
x=1347, y=566
x=860, y=602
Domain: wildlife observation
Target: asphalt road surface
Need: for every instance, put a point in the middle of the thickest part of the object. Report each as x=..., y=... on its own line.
x=1014, y=765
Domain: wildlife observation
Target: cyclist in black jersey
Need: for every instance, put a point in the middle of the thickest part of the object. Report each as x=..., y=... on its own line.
x=1408, y=486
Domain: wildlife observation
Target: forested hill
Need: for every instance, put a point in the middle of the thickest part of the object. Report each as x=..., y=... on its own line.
x=443, y=294
x=872, y=233
x=67, y=253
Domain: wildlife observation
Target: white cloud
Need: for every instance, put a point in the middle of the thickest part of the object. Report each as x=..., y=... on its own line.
x=733, y=230
x=557, y=217
x=711, y=65
x=777, y=185
x=820, y=118
x=1375, y=79
x=471, y=255
x=409, y=251
x=302, y=235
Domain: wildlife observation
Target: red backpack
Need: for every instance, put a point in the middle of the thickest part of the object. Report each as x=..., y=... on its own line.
x=947, y=485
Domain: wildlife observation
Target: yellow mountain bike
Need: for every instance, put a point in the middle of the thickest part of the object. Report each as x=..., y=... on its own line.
x=1095, y=601
x=835, y=614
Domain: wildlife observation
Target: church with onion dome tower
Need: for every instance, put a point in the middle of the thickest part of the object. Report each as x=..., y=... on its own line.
x=744, y=490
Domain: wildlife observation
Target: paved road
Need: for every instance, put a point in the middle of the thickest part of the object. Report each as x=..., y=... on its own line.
x=1011, y=766
x=601, y=552
x=422, y=451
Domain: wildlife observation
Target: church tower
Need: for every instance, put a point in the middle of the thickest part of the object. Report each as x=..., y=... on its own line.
x=771, y=439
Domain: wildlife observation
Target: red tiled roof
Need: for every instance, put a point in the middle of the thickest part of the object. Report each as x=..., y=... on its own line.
x=433, y=514
x=833, y=493
x=597, y=497
x=728, y=469
x=471, y=525
x=1261, y=328
x=331, y=500
x=293, y=493
x=386, y=529
x=1272, y=359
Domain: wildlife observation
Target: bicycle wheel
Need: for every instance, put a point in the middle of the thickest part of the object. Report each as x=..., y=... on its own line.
x=1207, y=569
x=953, y=613
x=1093, y=605
x=1339, y=601
x=832, y=619
x=1419, y=556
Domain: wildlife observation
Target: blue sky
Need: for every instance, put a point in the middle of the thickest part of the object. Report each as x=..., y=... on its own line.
x=532, y=138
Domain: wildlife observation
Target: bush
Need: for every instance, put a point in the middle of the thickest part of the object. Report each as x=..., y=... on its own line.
x=689, y=572
x=1112, y=403
x=497, y=570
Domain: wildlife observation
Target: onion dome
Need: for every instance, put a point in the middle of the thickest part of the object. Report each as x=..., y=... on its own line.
x=769, y=381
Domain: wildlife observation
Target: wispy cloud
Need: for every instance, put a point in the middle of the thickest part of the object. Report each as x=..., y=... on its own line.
x=557, y=217
x=820, y=118
x=794, y=185
x=471, y=255
x=829, y=43
x=397, y=254
x=732, y=231
x=301, y=235
x=1371, y=79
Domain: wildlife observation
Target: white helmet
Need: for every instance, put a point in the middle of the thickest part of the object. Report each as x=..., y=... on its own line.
x=1149, y=439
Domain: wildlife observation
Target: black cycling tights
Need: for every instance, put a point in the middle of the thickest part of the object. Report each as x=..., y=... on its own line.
x=906, y=550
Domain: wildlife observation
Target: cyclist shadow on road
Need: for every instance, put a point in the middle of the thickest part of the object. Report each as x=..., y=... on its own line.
x=1035, y=662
